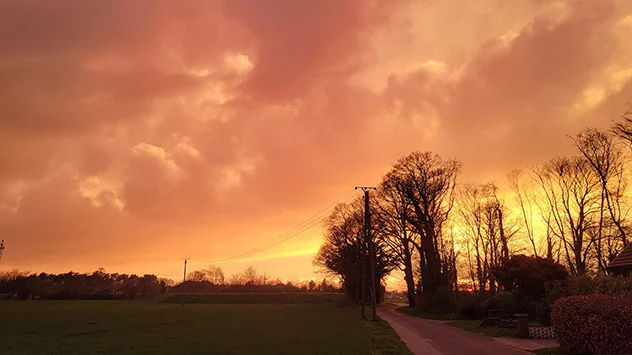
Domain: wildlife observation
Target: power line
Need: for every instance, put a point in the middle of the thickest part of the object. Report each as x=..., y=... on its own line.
x=297, y=230
x=293, y=232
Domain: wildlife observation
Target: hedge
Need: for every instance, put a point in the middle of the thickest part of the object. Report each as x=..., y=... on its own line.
x=594, y=324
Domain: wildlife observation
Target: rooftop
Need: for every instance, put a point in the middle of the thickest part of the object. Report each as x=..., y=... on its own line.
x=623, y=260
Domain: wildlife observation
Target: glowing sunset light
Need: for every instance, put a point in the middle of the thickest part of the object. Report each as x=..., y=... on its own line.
x=136, y=134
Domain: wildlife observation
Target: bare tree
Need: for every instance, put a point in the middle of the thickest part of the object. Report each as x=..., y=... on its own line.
x=471, y=213
x=427, y=181
x=483, y=216
x=197, y=276
x=499, y=212
x=393, y=210
x=572, y=193
x=606, y=158
x=212, y=274
x=526, y=208
x=215, y=275
x=624, y=129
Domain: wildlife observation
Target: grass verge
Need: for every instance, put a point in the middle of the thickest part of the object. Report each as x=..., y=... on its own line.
x=384, y=339
x=428, y=315
x=474, y=326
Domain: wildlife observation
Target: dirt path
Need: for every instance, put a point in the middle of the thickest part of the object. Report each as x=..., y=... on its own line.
x=430, y=337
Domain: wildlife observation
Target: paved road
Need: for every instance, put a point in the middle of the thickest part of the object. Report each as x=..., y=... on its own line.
x=430, y=337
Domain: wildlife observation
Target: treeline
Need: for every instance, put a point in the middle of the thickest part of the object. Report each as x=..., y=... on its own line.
x=448, y=236
x=408, y=213
x=212, y=280
x=113, y=286
x=72, y=285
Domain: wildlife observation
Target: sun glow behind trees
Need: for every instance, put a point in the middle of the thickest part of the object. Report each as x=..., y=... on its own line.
x=442, y=234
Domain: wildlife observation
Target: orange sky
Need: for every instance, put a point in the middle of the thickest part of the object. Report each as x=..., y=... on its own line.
x=134, y=133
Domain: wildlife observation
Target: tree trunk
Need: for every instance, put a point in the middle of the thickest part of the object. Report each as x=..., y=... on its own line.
x=503, y=237
x=410, y=284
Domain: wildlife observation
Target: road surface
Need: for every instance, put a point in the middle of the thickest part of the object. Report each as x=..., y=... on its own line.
x=431, y=337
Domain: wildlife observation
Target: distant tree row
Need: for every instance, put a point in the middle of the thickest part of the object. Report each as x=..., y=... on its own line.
x=212, y=280
x=72, y=285
x=102, y=285
x=446, y=235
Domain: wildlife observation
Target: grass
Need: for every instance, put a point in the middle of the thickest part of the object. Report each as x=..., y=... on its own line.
x=127, y=327
x=384, y=340
x=550, y=351
x=474, y=326
x=425, y=314
x=254, y=298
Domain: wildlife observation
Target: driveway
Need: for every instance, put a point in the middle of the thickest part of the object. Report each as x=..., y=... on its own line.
x=432, y=337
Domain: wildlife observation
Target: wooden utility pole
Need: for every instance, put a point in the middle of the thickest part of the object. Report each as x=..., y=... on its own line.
x=369, y=243
x=363, y=291
x=184, y=278
x=1, y=249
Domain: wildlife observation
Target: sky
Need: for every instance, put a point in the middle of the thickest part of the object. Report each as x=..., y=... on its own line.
x=136, y=133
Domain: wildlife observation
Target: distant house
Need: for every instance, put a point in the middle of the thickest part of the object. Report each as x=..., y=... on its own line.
x=622, y=264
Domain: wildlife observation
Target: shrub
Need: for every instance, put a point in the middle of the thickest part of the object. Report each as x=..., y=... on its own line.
x=529, y=275
x=469, y=305
x=471, y=310
x=554, y=291
x=443, y=301
x=594, y=324
x=605, y=284
x=509, y=303
x=577, y=286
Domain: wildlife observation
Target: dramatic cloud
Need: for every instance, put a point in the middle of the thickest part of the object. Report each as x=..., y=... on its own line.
x=134, y=133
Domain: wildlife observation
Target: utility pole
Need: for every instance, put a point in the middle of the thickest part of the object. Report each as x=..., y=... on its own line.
x=363, y=292
x=184, y=278
x=369, y=242
x=1, y=249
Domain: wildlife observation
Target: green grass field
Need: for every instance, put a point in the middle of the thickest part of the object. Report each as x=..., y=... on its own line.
x=128, y=327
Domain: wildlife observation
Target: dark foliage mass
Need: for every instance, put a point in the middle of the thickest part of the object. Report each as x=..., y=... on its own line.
x=408, y=212
x=345, y=250
x=194, y=287
x=76, y=286
x=594, y=324
x=100, y=285
x=529, y=275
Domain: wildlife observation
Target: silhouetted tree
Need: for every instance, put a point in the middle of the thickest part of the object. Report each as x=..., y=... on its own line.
x=344, y=250
x=529, y=275
x=215, y=275
x=393, y=209
x=572, y=193
x=483, y=221
x=606, y=159
x=624, y=129
x=212, y=274
x=72, y=285
x=427, y=182
x=526, y=205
